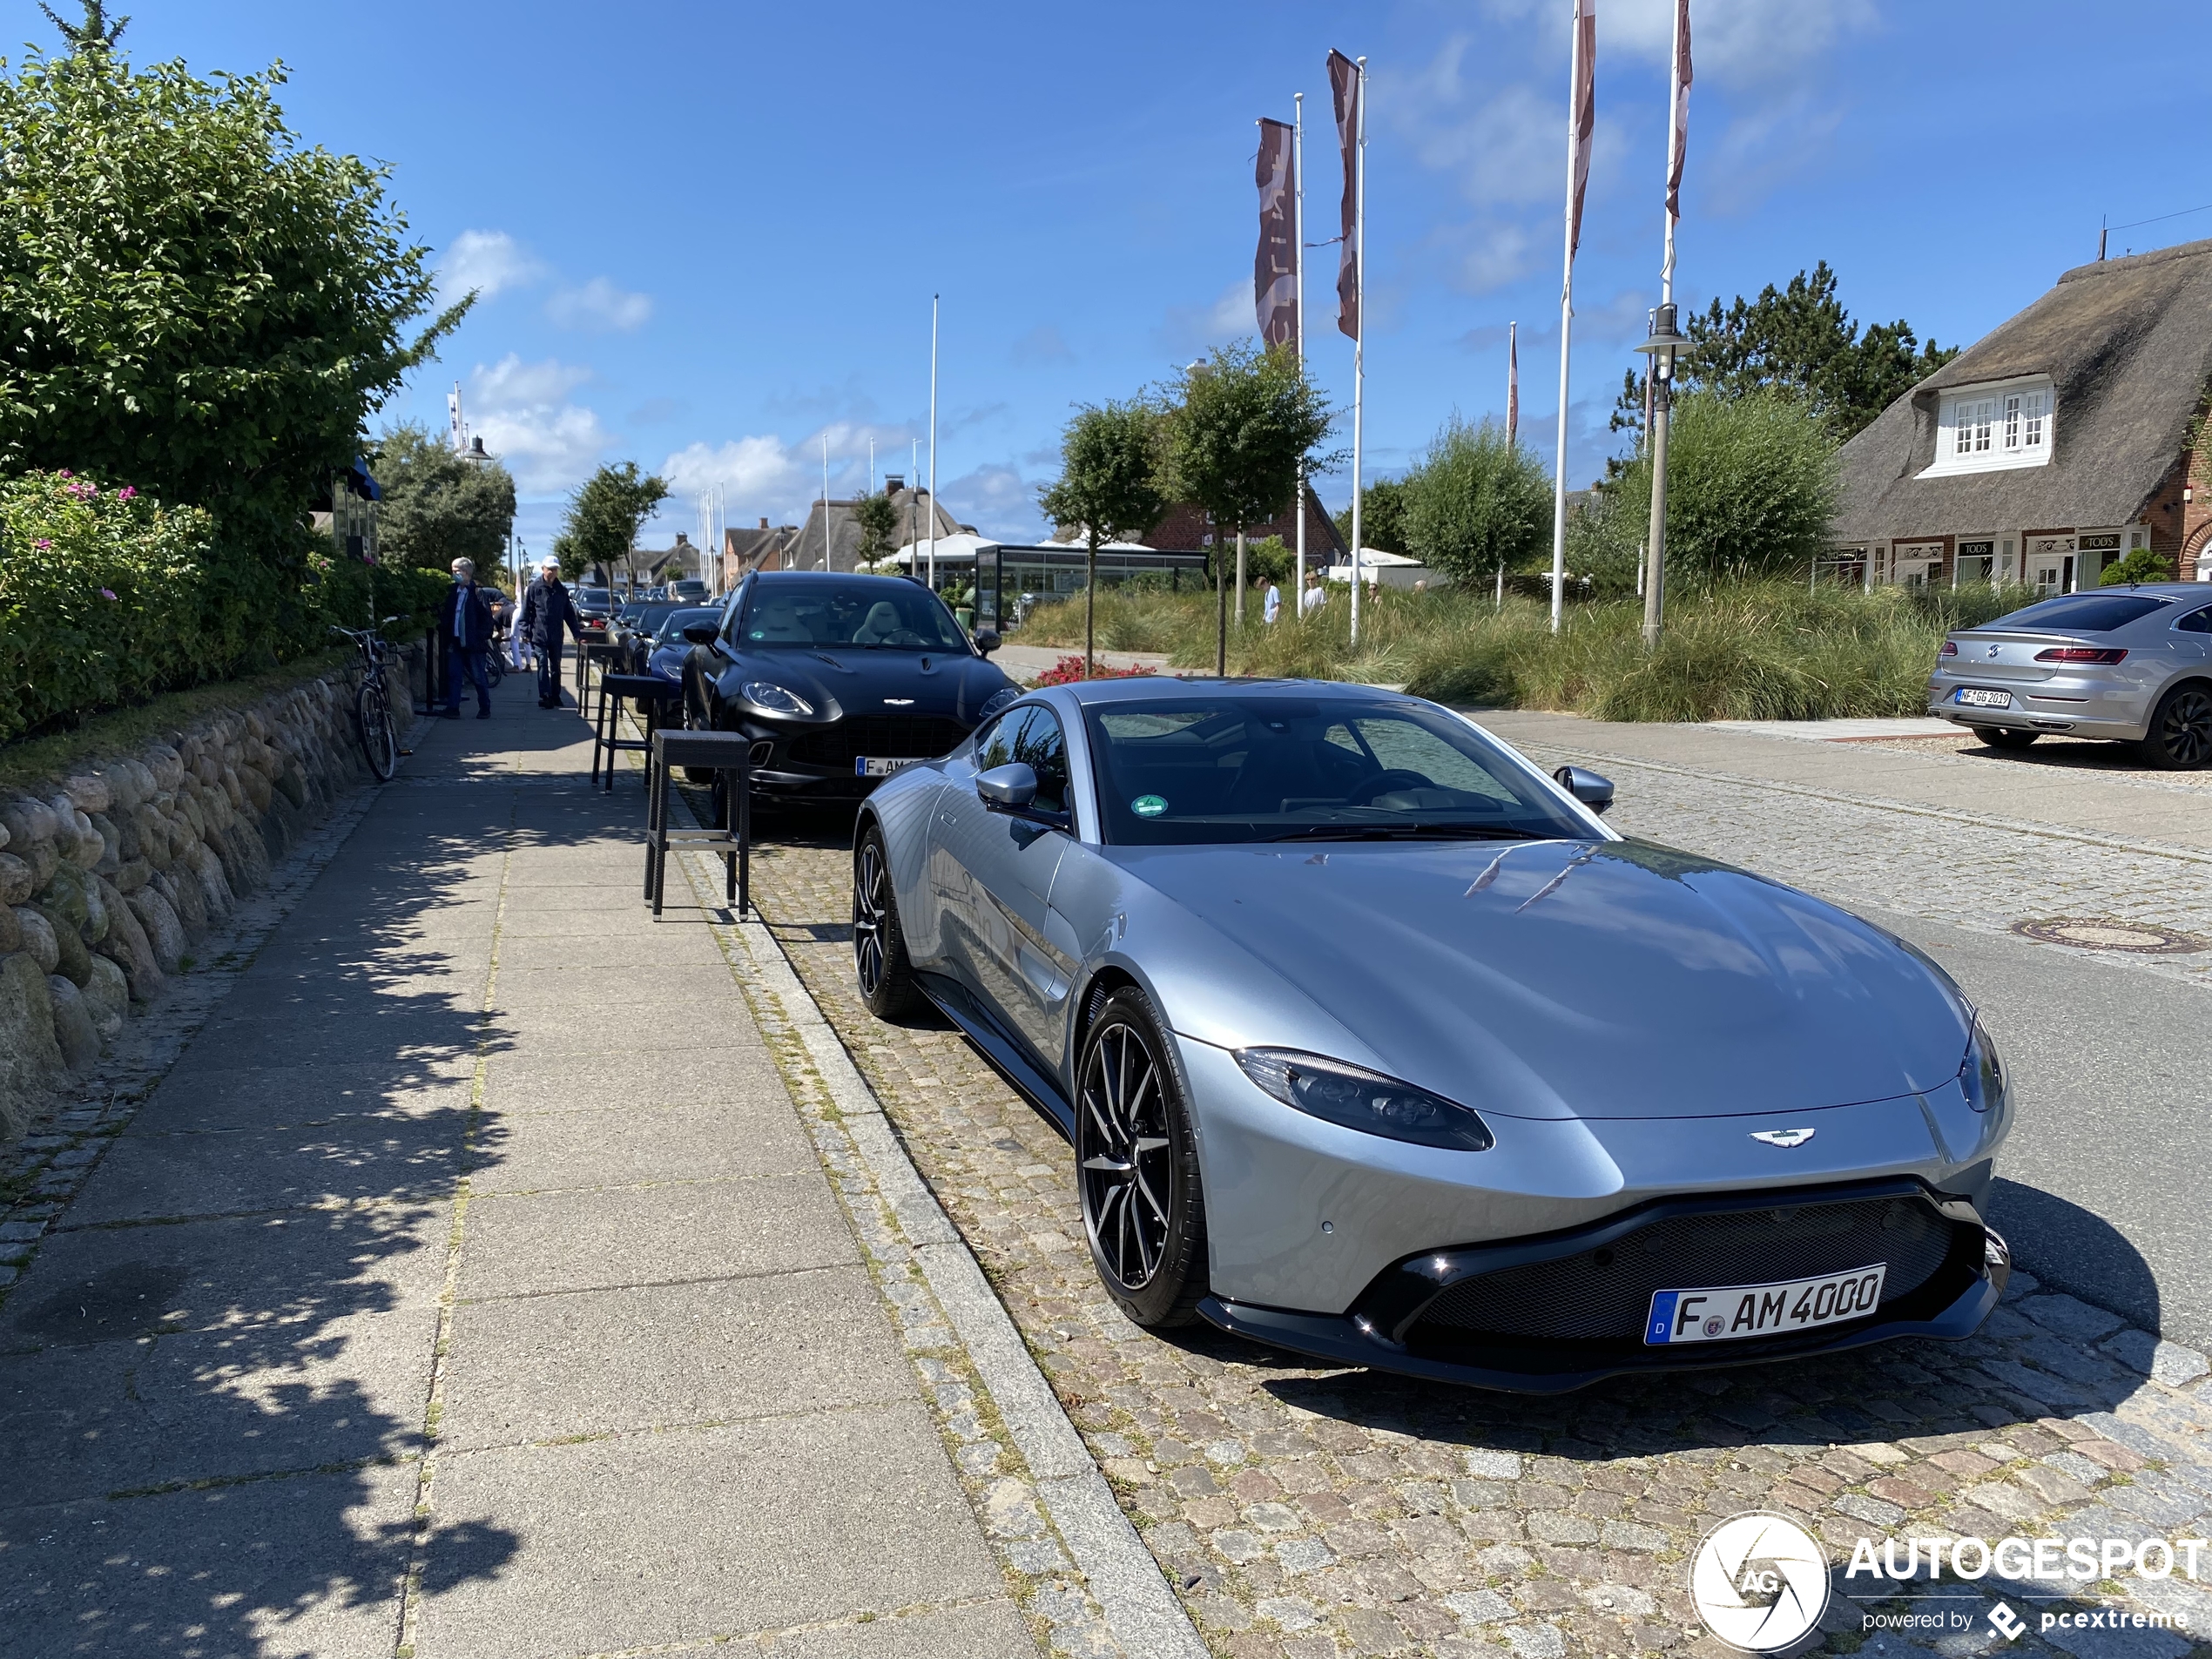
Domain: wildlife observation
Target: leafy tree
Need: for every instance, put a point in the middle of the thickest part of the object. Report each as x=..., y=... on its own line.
x=1239, y=426
x=1476, y=500
x=1382, y=516
x=94, y=31
x=1108, y=489
x=438, y=506
x=190, y=299
x=601, y=524
x=1800, y=339
x=1750, y=485
x=2140, y=565
x=878, y=519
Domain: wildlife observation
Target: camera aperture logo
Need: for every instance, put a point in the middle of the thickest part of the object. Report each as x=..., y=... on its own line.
x=1759, y=1582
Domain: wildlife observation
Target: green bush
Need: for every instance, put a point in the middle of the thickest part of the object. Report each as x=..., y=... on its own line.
x=1475, y=500
x=2140, y=565
x=107, y=597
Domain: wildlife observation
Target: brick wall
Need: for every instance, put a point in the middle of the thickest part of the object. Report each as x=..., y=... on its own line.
x=1185, y=526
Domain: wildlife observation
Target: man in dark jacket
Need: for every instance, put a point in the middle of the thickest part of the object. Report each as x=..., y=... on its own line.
x=548, y=616
x=465, y=623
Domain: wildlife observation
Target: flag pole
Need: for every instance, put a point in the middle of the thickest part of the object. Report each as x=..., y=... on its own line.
x=1660, y=376
x=1298, y=256
x=932, y=443
x=825, y=530
x=1359, y=340
x=1566, y=322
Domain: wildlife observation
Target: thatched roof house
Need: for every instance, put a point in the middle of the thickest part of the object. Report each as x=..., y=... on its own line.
x=2053, y=446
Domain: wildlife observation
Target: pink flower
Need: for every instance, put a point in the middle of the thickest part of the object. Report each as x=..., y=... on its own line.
x=109, y=593
x=64, y=473
x=41, y=542
x=126, y=493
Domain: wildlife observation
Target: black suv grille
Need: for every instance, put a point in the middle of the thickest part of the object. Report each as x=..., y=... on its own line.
x=893, y=737
x=1605, y=1293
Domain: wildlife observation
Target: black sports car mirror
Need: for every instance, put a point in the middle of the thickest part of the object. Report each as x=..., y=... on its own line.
x=1009, y=788
x=700, y=633
x=1594, y=792
x=986, y=641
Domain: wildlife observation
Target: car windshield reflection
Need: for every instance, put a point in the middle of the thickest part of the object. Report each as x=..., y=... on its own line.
x=828, y=613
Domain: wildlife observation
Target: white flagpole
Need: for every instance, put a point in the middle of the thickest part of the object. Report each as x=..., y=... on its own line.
x=1566, y=327
x=825, y=530
x=932, y=443
x=1297, y=253
x=1359, y=340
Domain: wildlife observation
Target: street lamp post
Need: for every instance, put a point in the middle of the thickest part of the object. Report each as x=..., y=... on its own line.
x=1661, y=347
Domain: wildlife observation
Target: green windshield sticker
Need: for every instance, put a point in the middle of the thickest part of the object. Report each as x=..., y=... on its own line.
x=1148, y=806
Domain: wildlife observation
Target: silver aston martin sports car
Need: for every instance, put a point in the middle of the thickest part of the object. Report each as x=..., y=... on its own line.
x=1376, y=1044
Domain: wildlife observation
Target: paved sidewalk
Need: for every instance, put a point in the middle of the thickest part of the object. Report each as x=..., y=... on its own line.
x=470, y=1286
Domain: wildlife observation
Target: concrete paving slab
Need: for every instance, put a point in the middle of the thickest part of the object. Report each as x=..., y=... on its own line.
x=665, y=1538
x=611, y=1032
x=273, y=1097
x=627, y=1144
x=549, y=923
x=311, y=1565
x=589, y=1239
x=595, y=1362
x=987, y=1630
x=676, y=988
x=443, y=1039
x=625, y=958
x=300, y=1271
x=522, y=1081
x=144, y=1177
x=92, y=1421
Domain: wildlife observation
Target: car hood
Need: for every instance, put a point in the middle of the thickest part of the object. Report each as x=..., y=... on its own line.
x=839, y=683
x=1563, y=979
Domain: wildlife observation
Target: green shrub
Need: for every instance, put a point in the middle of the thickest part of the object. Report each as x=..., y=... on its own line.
x=1475, y=499
x=107, y=597
x=2140, y=565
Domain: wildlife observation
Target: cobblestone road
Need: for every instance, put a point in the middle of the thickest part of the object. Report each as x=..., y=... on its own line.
x=1310, y=1512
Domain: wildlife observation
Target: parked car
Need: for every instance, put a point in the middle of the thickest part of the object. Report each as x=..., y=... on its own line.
x=636, y=624
x=665, y=651
x=690, y=589
x=595, y=609
x=842, y=680
x=2132, y=664
x=1376, y=1044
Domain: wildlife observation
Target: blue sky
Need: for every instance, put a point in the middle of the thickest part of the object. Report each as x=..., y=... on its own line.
x=707, y=235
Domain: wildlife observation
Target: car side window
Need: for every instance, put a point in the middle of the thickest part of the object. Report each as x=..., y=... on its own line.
x=993, y=743
x=735, y=612
x=2197, y=622
x=1041, y=746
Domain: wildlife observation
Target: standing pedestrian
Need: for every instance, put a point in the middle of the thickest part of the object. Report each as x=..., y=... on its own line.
x=1271, y=607
x=465, y=623
x=1311, y=600
x=549, y=615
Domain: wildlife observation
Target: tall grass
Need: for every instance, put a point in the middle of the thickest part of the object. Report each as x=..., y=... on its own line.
x=1763, y=650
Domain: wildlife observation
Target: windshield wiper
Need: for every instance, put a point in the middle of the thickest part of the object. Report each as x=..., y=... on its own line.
x=1406, y=833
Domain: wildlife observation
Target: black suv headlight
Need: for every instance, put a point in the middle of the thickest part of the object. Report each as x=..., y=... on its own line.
x=1357, y=1098
x=1982, y=1073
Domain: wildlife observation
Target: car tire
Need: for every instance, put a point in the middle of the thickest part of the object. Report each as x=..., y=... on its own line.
x=881, y=966
x=2005, y=736
x=2180, y=739
x=1136, y=1165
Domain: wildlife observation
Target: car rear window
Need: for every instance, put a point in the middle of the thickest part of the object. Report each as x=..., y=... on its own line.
x=2083, y=613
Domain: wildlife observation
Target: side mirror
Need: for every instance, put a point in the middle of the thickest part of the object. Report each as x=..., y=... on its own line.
x=986, y=641
x=700, y=633
x=1594, y=792
x=1007, y=789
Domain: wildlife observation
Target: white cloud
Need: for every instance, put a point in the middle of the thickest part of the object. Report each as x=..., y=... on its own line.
x=753, y=469
x=1194, y=328
x=526, y=417
x=489, y=262
x=1737, y=42
x=598, y=306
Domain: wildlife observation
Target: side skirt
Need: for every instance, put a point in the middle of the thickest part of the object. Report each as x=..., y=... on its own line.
x=1006, y=1056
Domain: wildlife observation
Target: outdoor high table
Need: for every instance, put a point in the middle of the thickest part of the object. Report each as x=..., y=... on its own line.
x=588, y=652
x=729, y=753
x=651, y=693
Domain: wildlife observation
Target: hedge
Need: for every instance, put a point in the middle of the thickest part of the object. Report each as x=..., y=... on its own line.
x=108, y=598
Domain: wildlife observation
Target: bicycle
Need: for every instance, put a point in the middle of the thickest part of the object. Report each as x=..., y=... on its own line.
x=380, y=738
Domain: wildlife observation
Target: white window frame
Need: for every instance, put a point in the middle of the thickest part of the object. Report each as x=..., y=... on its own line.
x=1994, y=427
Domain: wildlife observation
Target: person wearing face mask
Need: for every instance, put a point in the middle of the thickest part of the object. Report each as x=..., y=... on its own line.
x=465, y=623
x=549, y=615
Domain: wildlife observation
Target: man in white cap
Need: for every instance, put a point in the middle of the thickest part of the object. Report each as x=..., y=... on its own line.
x=548, y=615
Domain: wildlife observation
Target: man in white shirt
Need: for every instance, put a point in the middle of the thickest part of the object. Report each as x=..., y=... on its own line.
x=1311, y=600
x=1273, y=607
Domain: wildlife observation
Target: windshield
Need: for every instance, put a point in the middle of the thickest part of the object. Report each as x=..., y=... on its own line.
x=876, y=613
x=648, y=616
x=680, y=617
x=1229, y=768
x=2082, y=613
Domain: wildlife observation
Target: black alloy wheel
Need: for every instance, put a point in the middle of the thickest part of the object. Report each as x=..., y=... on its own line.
x=2005, y=736
x=886, y=978
x=2180, y=739
x=1136, y=1165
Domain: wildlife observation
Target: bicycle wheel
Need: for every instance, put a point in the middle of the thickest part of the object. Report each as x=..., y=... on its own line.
x=380, y=741
x=495, y=665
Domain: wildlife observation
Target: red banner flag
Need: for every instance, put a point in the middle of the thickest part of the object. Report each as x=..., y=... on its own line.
x=1585, y=113
x=1681, y=108
x=1275, y=264
x=1346, y=86
x=1512, y=381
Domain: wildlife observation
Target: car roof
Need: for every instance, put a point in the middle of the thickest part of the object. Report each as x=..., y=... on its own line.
x=834, y=576
x=1154, y=687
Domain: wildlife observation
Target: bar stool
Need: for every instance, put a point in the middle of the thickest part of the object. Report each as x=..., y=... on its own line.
x=588, y=652
x=729, y=753
x=651, y=693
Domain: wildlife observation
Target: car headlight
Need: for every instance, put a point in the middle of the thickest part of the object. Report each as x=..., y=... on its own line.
x=1982, y=1073
x=996, y=701
x=1364, y=1100
x=766, y=694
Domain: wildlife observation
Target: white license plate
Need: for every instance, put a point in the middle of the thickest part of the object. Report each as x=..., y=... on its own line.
x=878, y=766
x=1737, y=1310
x=1975, y=697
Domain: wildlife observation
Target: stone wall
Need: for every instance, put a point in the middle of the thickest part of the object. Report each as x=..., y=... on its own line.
x=109, y=875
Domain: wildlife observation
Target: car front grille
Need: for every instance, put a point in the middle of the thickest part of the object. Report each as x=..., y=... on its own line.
x=1604, y=1293
x=891, y=737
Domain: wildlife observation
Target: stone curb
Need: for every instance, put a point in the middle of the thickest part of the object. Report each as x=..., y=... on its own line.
x=1141, y=1612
